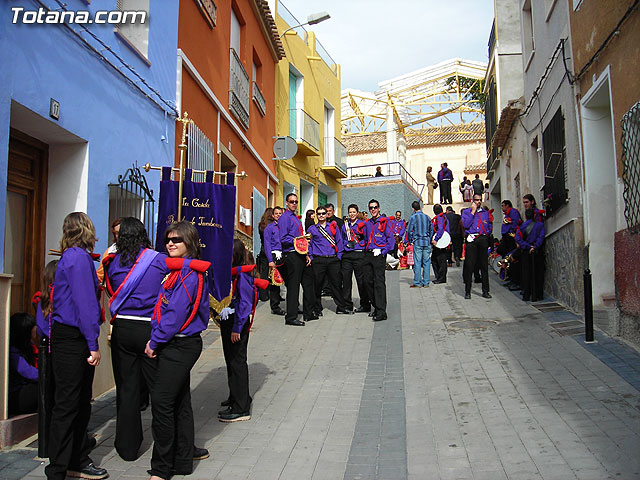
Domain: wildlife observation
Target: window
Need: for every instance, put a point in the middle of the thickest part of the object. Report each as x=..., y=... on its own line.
x=296, y=102
x=238, y=76
x=135, y=34
x=208, y=10
x=576, y=4
x=256, y=76
x=200, y=152
x=527, y=33
x=555, y=175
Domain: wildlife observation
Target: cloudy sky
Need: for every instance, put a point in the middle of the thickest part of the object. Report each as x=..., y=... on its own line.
x=374, y=40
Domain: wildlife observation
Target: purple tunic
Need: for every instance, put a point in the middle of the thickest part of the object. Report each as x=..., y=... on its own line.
x=478, y=223
x=441, y=225
x=141, y=301
x=534, y=239
x=271, y=240
x=75, y=296
x=242, y=302
x=376, y=239
x=176, y=307
x=21, y=371
x=511, y=227
x=320, y=246
x=357, y=234
x=398, y=227
x=445, y=174
x=290, y=227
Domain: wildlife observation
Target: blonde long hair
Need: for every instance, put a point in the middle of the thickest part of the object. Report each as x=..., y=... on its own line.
x=78, y=231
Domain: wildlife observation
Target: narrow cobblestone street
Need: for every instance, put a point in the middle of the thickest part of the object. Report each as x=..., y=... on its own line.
x=447, y=388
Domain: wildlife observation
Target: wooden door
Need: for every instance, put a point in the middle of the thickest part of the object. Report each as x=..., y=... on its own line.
x=25, y=217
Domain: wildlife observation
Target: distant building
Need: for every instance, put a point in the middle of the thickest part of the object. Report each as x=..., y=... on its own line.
x=307, y=110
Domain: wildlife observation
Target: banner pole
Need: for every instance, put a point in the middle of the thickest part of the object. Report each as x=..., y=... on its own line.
x=185, y=120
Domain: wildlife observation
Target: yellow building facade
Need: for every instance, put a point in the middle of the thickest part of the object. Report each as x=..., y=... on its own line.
x=308, y=110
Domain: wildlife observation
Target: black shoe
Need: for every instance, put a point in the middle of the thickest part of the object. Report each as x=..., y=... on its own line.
x=278, y=312
x=457, y=262
x=371, y=314
x=226, y=403
x=224, y=410
x=436, y=282
x=280, y=299
x=200, y=453
x=513, y=287
x=300, y=312
x=296, y=323
x=318, y=314
x=90, y=471
x=344, y=311
x=380, y=317
x=234, y=417
x=362, y=310
x=326, y=293
x=467, y=296
x=312, y=317
x=486, y=295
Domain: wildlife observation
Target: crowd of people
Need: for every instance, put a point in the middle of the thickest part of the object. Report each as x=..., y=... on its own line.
x=444, y=179
x=159, y=305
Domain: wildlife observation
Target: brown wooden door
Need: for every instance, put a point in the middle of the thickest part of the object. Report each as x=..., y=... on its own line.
x=25, y=217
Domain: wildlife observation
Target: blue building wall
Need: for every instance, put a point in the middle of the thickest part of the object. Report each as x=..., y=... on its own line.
x=119, y=124
x=392, y=197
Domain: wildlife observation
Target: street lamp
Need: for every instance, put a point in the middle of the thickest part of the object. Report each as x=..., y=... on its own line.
x=311, y=20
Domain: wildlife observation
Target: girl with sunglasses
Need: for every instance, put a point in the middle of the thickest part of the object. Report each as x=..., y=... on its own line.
x=180, y=314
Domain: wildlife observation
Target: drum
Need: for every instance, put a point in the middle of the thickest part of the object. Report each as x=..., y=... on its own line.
x=444, y=241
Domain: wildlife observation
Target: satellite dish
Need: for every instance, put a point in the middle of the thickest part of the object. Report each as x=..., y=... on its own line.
x=284, y=148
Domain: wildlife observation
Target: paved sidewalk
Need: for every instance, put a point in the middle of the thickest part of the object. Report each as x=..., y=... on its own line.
x=446, y=388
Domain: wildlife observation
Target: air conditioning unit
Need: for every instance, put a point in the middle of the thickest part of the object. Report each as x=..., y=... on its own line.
x=245, y=216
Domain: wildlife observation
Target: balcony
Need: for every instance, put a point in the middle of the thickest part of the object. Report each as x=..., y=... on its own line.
x=238, y=90
x=305, y=130
x=492, y=39
x=335, y=158
x=259, y=100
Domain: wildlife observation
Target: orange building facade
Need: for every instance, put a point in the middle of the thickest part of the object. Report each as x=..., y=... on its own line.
x=227, y=55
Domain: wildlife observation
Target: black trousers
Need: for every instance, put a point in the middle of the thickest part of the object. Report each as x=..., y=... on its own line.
x=296, y=273
x=532, y=275
x=439, y=263
x=352, y=264
x=456, y=247
x=327, y=269
x=476, y=258
x=172, y=424
x=374, y=270
x=445, y=191
x=131, y=369
x=68, y=442
x=235, y=356
x=273, y=292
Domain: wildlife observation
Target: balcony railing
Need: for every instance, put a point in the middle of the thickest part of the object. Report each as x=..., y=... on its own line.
x=492, y=39
x=238, y=89
x=306, y=129
x=335, y=154
x=259, y=99
x=390, y=169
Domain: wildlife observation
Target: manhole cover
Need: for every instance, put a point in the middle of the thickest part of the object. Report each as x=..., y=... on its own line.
x=473, y=324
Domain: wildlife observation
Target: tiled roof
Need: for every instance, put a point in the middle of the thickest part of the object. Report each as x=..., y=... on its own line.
x=270, y=24
x=476, y=168
x=373, y=142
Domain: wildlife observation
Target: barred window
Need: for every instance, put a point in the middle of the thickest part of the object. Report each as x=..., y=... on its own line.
x=136, y=35
x=555, y=174
x=631, y=167
x=200, y=152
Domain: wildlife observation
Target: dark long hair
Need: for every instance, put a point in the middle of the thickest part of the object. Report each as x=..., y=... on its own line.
x=20, y=334
x=131, y=238
x=240, y=256
x=48, y=276
x=308, y=221
x=267, y=218
x=188, y=233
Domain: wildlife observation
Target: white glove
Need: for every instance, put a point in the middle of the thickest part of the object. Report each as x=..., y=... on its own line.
x=376, y=252
x=226, y=311
x=277, y=253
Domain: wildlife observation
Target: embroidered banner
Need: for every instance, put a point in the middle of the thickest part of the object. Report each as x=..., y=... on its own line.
x=211, y=208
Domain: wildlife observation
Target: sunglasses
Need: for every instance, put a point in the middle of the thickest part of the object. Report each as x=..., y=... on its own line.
x=321, y=213
x=374, y=208
x=174, y=240
x=294, y=202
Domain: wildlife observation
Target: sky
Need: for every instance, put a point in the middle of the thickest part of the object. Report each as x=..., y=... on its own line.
x=375, y=40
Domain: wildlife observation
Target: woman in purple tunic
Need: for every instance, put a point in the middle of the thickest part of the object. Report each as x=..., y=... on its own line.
x=75, y=326
x=132, y=277
x=181, y=313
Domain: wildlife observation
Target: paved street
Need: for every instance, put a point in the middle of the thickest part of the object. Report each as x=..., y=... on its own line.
x=447, y=388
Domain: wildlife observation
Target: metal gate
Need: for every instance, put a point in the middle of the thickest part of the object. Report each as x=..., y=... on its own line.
x=131, y=197
x=258, y=208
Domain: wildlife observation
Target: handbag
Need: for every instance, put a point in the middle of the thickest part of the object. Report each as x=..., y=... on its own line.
x=435, y=185
x=410, y=255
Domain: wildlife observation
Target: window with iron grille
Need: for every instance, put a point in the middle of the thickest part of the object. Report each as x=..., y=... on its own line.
x=491, y=122
x=132, y=197
x=239, y=90
x=555, y=175
x=631, y=167
x=200, y=152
